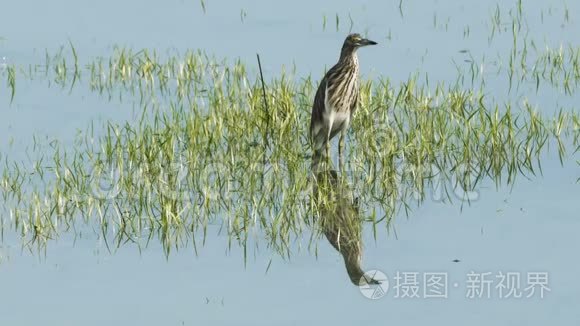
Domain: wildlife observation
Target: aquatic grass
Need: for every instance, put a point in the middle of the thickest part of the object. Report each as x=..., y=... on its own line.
x=203, y=7
x=216, y=145
x=11, y=81
x=221, y=182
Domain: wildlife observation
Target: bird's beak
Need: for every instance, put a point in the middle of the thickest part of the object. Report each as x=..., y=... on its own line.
x=365, y=42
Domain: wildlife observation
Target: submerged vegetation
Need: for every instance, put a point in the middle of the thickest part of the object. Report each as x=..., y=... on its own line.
x=209, y=148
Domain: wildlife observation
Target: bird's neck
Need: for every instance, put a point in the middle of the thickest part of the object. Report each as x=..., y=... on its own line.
x=348, y=56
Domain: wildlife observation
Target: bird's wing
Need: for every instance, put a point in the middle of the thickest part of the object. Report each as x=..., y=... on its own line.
x=354, y=104
x=318, y=105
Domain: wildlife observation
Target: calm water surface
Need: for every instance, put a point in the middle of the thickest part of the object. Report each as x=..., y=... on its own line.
x=531, y=227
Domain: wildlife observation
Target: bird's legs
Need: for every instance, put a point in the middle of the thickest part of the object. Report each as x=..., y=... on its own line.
x=340, y=151
x=327, y=156
x=328, y=160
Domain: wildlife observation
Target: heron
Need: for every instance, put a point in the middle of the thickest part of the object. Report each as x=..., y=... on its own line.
x=336, y=100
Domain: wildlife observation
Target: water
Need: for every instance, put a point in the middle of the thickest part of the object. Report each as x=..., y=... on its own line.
x=530, y=228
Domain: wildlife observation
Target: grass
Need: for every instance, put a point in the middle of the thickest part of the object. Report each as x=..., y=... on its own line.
x=210, y=153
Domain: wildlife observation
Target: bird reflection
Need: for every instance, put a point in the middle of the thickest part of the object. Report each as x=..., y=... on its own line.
x=341, y=223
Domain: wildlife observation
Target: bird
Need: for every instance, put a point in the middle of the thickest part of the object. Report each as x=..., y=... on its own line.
x=341, y=223
x=336, y=100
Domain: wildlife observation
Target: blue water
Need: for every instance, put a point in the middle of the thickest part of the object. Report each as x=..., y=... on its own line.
x=530, y=228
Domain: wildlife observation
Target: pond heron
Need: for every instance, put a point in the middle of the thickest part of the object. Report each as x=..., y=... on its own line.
x=336, y=100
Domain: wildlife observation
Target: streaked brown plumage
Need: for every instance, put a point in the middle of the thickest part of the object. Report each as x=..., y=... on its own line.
x=336, y=100
x=340, y=222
